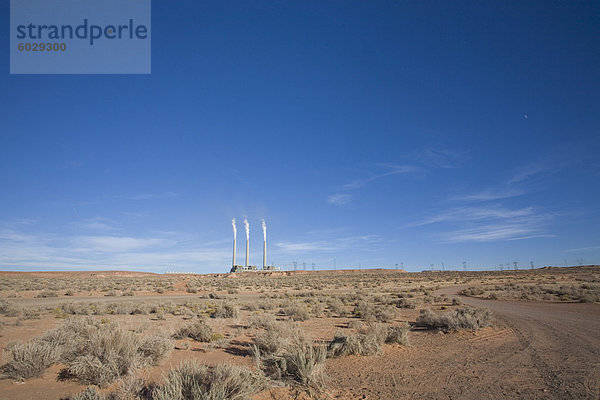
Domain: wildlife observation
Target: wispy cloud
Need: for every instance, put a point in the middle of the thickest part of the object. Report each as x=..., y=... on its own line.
x=583, y=249
x=339, y=199
x=337, y=244
x=440, y=158
x=96, y=224
x=526, y=172
x=112, y=244
x=492, y=223
x=491, y=194
x=430, y=158
x=475, y=214
x=495, y=232
x=47, y=251
x=392, y=169
x=149, y=196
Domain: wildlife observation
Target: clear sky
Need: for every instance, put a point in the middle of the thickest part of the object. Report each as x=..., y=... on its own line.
x=373, y=132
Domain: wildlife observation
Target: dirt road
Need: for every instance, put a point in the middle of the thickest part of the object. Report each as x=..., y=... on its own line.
x=535, y=351
x=559, y=343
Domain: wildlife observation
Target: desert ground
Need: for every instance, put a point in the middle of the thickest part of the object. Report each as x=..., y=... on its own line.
x=371, y=334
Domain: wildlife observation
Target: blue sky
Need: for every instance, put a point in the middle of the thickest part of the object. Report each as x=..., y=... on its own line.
x=373, y=132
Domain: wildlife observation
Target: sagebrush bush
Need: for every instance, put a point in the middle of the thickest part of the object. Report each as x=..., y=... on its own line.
x=463, y=318
x=30, y=359
x=286, y=352
x=109, y=354
x=156, y=347
x=398, y=334
x=263, y=320
x=90, y=393
x=95, y=353
x=297, y=311
x=367, y=342
x=369, y=312
x=225, y=310
x=194, y=381
x=198, y=330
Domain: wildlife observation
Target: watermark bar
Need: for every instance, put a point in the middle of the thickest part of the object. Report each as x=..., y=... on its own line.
x=80, y=36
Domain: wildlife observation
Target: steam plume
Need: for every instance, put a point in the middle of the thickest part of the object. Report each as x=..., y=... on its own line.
x=264, y=226
x=234, y=228
x=247, y=226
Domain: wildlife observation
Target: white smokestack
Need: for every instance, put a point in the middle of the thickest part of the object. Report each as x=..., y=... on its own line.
x=247, y=226
x=234, y=240
x=264, y=226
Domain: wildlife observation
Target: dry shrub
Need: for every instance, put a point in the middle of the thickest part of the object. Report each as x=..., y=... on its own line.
x=286, y=352
x=368, y=340
x=90, y=393
x=95, y=353
x=369, y=312
x=198, y=330
x=9, y=309
x=297, y=311
x=462, y=318
x=30, y=359
x=398, y=334
x=130, y=388
x=225, y=310
x=264, y=321
x=194, y=381
x=365, y=343
x=110, y=353
x=156, y=347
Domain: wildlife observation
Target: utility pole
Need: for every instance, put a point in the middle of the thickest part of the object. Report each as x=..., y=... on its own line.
x=295, y=265
x=516, y=265
x=464, y=265
x=531, y=262
x=313, y=266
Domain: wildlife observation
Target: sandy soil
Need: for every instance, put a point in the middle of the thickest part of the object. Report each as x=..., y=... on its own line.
x=535, y=350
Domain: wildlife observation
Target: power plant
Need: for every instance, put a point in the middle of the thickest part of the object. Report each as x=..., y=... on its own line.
x=247, y=266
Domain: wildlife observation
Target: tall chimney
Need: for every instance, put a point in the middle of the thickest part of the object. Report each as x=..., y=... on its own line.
x=247, y=226
x=234, y=240
x=233, y=263
x=264, y=227
x=265, y=254
x=247, y=251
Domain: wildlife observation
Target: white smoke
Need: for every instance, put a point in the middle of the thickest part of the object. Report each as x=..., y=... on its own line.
x=234, y=228
x=247, y=225
x=264, y=230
